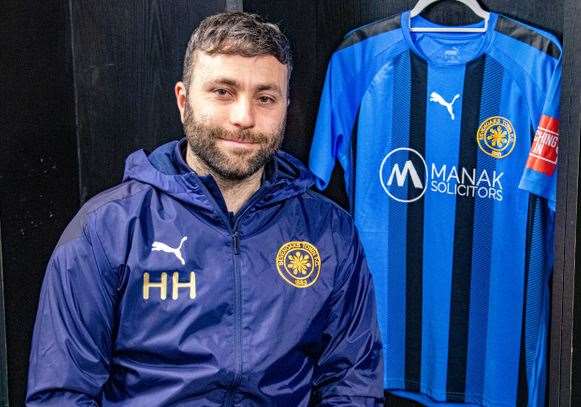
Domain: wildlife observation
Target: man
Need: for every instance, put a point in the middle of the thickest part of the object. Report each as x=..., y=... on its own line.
x=212, y=275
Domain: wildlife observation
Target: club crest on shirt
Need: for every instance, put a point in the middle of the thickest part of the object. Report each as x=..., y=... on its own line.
x=298, y=263
x=496, y=137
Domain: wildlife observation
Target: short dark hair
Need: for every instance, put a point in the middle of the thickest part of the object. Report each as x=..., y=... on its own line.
x=236, y=33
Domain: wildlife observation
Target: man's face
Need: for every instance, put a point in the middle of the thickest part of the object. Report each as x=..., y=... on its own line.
x=234, y=111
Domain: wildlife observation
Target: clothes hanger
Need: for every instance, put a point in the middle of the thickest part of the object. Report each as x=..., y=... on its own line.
x=472, y=4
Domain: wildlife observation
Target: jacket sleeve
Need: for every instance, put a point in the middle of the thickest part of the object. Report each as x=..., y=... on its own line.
x=71, y=345
x=350, y=368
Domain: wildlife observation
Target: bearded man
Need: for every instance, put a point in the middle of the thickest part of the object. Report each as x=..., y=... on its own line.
x=212, y=275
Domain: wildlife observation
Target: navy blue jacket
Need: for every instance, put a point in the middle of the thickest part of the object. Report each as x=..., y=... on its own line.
x=156, y=296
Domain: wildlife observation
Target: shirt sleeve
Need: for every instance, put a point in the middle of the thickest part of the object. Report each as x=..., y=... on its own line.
x=71, y=345
x=540, y=173
x=350, y=369
x=332, y=137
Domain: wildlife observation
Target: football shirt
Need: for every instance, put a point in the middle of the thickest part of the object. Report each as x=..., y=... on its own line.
x=449, y=144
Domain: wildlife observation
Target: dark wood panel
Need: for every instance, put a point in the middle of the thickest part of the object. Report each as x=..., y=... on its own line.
x=128, y=57
x=568, y=377
x=38, y=181
x=3, y=349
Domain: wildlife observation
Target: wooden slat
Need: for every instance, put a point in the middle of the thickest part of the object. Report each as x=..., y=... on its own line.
x=566, y=378
x=128, y=57
x=38, y=185
x=234, y=5
x=3, y=350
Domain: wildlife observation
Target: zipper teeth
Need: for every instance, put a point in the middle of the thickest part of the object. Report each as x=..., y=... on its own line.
x=238, y=289
x=238, y=294
x=238, y=310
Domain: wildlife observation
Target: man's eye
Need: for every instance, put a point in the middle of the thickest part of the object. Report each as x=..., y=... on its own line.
x=266, y=100
x=221, y=92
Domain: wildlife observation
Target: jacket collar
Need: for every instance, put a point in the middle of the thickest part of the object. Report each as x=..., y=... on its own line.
x=166, y=169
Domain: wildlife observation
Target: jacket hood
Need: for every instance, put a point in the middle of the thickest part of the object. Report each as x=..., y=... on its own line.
x=166, y=170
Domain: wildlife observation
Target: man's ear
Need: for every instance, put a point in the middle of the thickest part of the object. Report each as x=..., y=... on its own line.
x=181, y=98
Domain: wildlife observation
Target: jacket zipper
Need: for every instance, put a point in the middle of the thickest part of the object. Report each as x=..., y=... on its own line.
x=236, y=242
x=235, y=235
x=237, y=308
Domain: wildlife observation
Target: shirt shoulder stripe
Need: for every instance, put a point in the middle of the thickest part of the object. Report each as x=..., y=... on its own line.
x=371, y=30
x=524, y=34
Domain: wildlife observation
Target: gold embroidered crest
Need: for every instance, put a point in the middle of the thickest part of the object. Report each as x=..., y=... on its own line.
x=496, y=137
x=298, y=263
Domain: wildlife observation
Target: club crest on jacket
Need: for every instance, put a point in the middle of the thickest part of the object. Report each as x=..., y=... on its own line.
x=298, y=263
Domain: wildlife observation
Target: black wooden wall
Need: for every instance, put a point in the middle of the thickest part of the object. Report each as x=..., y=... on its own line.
x=569, y=224
x=127, y=57
x=84, y=83
x=38, y=177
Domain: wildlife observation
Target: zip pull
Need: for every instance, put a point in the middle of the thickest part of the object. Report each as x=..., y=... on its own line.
x=236, y=242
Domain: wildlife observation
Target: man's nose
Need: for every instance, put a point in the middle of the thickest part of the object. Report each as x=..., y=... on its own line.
x=242, y=114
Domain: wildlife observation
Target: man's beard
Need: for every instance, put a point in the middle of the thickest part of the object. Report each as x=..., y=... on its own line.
x=202, y=140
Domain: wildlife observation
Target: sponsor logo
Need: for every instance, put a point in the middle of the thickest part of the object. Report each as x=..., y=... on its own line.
x=298, y=263
x=545, y=148
x=439, y=99
x=496, y=137
x=405, y=177
x=163, y=247
x=399, y=166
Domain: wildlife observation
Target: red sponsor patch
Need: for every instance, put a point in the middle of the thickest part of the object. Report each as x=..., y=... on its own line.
x=545, y=148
